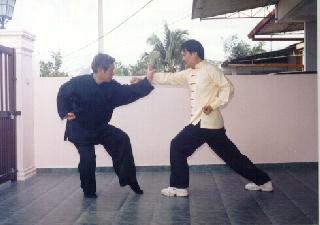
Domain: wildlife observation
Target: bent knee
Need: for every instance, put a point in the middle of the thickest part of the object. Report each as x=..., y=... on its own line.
x=87, y=157
x=123, y=137
x=176, y=149
x=174, y=144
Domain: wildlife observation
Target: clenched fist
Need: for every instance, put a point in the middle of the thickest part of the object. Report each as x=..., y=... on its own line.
x=135, y=80
x=70, y=116
x=207, y=109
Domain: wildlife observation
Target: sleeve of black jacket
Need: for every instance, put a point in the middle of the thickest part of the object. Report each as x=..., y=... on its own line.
x=64, y=103
x=126, y=94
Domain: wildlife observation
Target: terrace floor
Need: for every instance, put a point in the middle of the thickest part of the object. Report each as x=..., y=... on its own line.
x=216, y=197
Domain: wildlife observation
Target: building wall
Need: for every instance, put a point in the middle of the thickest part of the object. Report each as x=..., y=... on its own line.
x=271, y=118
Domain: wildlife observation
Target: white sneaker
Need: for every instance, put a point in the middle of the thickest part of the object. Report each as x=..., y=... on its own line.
x=172, y=191
x=264, y=187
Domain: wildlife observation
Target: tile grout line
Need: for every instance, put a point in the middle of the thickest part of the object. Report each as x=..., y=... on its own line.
x=121, y=207
x=51, y=211
x=260, y=205
x=157, y=205
x=224, y=206
x=264, y=212
x=109, y=185
x=16, y=212
x=293, y=203
x=25, y=190
x=292, y=175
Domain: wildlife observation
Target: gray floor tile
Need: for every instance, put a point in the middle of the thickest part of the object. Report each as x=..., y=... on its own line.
x=216, y=197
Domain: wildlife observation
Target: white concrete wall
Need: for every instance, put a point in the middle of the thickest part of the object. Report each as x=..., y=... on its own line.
x=272, y=119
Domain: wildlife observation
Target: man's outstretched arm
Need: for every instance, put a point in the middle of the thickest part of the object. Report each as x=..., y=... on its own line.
x=126, y=94
x=176, y=79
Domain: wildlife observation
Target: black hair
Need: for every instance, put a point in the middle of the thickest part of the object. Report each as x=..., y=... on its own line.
x=193, y=46
x=101, y=61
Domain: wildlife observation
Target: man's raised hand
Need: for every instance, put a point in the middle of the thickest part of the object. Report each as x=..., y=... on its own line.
x=135, y=80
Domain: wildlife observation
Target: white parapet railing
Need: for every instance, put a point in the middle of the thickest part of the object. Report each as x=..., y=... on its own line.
x=271, y=118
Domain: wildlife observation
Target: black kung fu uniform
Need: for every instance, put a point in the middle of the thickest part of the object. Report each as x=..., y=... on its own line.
x=93, y=105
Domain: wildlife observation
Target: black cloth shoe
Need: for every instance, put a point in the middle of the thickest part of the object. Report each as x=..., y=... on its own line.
x=136, y=188
x=90, y=195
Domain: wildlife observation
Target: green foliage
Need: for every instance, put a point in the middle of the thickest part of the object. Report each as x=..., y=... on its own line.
x=120, y=69
x=140, y=67
x=237, y=48
x=164, y=56
x=51, y=68
x=257, y=49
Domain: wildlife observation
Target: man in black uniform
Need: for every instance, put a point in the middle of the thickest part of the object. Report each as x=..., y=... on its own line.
x=87, y=102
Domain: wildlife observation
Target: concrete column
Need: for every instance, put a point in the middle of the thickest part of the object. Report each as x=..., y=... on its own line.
x=310, y=46
x=22, y=41
x=100, y=27
x=318, y=84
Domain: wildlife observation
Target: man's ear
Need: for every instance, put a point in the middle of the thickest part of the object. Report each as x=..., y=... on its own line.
x=111, y=67
x=196, y=54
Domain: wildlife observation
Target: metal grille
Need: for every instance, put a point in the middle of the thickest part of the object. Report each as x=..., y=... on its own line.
x=7, y=114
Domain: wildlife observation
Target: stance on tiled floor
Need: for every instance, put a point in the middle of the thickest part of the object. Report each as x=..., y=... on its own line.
x=216, y=197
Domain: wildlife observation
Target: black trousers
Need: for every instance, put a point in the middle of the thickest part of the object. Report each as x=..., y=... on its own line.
x=117, y=144
x=192, y=137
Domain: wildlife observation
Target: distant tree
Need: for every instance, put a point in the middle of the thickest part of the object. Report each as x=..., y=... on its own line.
x=257, y=49
x=140, y=68
x=167, y=52
x=121, y=70
x=51, y=68
x=234, y=48
x=164, y=56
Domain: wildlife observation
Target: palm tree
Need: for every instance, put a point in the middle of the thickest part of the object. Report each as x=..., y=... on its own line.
x=167, y=53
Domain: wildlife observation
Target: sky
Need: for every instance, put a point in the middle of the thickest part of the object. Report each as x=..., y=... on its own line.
x=70, y=26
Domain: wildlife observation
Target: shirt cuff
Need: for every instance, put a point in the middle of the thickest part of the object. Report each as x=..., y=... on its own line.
x=215, y=104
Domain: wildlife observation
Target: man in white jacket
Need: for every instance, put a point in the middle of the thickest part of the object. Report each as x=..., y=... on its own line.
x=210, y=90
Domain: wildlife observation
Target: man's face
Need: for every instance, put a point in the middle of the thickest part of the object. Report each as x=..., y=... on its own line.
x=109, y=72
x=190, y=59
x=107, y=75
